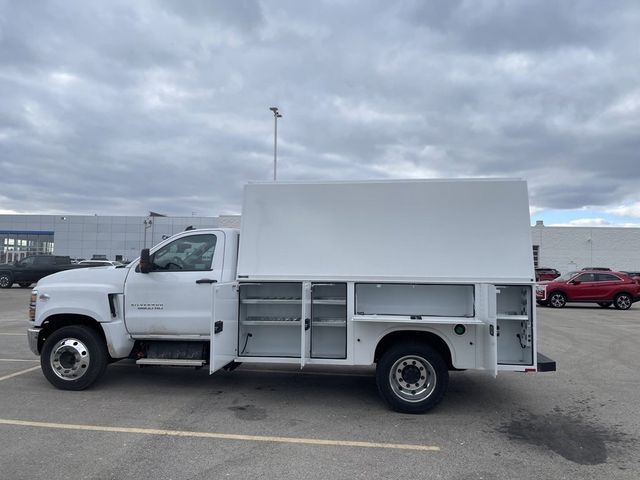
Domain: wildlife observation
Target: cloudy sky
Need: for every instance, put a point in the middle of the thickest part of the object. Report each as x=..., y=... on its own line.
x=120, y=107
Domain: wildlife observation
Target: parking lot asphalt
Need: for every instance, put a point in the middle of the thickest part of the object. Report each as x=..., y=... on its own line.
x=279, y=422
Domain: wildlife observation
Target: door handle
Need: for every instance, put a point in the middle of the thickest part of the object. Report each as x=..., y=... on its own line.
x=206, y=280
x=307, y=323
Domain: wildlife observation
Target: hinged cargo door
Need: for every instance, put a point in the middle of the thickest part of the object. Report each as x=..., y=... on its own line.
x=224, y=326
x=305, y=324
x=488, y=330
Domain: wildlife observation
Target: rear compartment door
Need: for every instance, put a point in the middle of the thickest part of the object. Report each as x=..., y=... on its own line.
x=305, y=324
x=488, y=329
x=224, y=326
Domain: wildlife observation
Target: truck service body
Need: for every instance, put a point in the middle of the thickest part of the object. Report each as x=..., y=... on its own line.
x=418, y=277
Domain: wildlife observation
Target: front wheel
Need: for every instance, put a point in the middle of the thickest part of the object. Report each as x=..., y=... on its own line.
x=73, y=357
x=622, y=301
x=412, y=378
x=557, y=300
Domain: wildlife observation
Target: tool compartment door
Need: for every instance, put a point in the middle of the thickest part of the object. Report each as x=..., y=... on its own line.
x=224, y=326
x=488, y=330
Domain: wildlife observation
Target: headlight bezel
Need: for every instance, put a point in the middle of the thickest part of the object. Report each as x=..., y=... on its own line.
x=32, y=305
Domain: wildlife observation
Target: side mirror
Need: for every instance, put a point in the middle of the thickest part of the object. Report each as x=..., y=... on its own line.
x=145, y=264
x=576, y=282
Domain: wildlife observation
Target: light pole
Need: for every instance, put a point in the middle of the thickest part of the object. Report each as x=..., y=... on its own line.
x=276, y=116
x=148, y=223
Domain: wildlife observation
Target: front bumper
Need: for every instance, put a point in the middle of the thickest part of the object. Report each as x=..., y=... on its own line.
x=541, y=293
x=32, y=338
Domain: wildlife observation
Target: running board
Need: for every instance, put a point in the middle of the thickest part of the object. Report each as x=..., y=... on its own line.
x=170, y=362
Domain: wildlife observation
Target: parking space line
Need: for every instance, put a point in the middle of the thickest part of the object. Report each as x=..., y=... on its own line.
x=14, y=334
x=18, y=360
x=221, y=436
x=21, y=372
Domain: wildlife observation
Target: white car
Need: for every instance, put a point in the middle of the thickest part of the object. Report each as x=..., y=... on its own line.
x=100, y=263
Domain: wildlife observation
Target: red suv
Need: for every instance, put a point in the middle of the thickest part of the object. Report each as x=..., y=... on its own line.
x=603, y=288
x=543, y=274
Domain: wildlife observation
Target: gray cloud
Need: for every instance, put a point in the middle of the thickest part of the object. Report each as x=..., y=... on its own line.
x=124, y=107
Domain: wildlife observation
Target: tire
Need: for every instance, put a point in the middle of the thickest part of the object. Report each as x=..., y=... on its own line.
x=25, y=285
x=6, y=280
x=73, y=357
x=557, y=300
x=622, y=301
x=605, y=304
x=402, y=365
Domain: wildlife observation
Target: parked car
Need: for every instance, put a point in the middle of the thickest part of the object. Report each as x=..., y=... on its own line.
x=634, y=275
x=605, y=288
x=544, y=274
x=31, y=269
x=100, y=263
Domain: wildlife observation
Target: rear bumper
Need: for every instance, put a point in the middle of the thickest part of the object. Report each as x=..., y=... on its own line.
x=32, y=338
x=545, y=364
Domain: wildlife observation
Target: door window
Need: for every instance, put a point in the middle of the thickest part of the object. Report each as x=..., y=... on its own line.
x=587, y=277
x=188, y=254
x=607, y=277
x=27, y=262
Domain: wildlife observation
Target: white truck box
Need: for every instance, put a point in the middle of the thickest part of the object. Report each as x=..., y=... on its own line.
x=427, y=230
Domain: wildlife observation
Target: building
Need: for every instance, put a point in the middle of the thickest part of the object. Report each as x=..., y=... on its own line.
x=86, y=236
x=573, y=248
x=122, y=238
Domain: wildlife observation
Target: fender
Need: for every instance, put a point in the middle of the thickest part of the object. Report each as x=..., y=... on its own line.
x=372, y=334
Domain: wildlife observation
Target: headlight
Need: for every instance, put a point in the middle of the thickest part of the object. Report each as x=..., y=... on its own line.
x=32, y=305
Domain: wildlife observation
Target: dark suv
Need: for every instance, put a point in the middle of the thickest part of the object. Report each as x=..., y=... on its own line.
x=31, y=269
x=605, y=288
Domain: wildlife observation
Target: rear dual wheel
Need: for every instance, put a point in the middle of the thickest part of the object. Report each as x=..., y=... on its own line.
x=412, y=378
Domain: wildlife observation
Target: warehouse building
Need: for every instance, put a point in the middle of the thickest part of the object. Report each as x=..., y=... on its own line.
x=122, y=238
x=91, y=236
x=573, y=248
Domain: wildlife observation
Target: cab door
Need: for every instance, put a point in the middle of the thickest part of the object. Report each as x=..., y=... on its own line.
x=175, y=299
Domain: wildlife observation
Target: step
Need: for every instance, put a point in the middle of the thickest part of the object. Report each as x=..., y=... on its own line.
x=170, y=362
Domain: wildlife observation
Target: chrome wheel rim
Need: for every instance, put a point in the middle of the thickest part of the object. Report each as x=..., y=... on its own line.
x=70, y=359
x=4, y=281
x=623, y=302
x=412, y=378
x=557, y=300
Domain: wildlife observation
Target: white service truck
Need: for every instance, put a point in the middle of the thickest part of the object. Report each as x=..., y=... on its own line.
x=418, y=277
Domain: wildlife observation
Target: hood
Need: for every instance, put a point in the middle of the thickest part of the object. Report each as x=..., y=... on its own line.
x=6, y=265
x=111, y=277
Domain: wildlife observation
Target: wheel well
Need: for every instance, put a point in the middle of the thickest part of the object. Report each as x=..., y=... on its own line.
x=556, y=291
x=432, y=339
x=56, y=322
x=623, y=293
